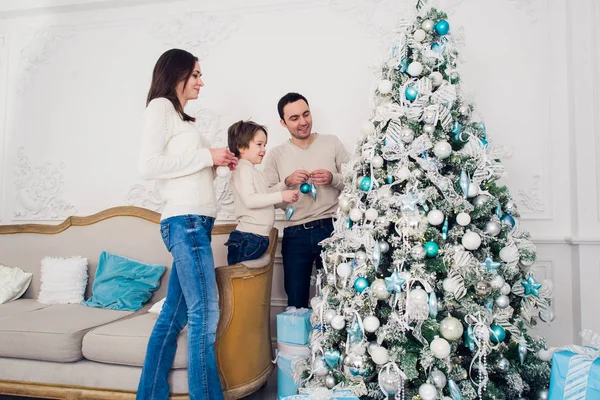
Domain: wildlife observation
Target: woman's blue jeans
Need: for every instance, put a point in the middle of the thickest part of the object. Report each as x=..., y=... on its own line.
x=192, y=299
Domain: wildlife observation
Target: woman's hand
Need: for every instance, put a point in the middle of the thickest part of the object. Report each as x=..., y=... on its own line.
x=223, y=157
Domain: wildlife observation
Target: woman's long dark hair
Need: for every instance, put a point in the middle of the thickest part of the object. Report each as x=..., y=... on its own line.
x=172, y=67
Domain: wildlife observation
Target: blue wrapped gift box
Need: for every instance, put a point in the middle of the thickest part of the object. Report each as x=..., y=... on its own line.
x=558, y=376
x=293, y=326
x=286, y=386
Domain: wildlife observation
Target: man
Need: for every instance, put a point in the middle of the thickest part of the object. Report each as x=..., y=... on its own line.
x=307, y=157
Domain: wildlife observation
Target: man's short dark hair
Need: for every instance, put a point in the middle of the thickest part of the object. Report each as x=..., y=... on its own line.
x=241, y=133
x=291, y=97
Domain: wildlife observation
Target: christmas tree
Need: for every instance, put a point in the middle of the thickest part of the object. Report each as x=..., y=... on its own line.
x=427, y=288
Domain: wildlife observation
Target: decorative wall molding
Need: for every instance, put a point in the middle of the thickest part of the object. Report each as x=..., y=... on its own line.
x=531, y=198
x=594, y=84
x=195, y=31
x=38, y=189
x=39, y=47
x=144, y=195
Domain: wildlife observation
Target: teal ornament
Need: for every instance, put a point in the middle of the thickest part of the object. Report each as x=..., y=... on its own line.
x=442, y=27
x=464, y=183
x=409, y=202
x=313, y=191
x=522, y=349
x=332, y=358
x=411, y=93
x=356, y=334
x=403, y=65
x=469, y=338
x=508, y=219
x=394, y=51
x=445, y=229
x=289, y=211
x=433, y=305
x=454, y=390
x=484, y=143
x=431, y=249
x=376, y=256
x=389, y=179
x=305, y=188
x=438, y=48
x=531, y=286
x=360, y=284
x=349, y=222
x=489, y=304
x=499, y=212
x=458, y=133
x=394, y=282
x=366, y=184
x=498, y=333
x=490, y=264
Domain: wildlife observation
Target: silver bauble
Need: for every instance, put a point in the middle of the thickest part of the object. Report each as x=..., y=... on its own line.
x=502, y=364
x=483, y=288
x=428, y=128
x=384, y=246
x=418, y=252
x=360, y=257
x=438, y=378
x=389, y=381
x=542, y=394
x=492, y=228
x=407, y=135
x=502, y=301
x=464, y=109
x=480, y=200
x=506, y=289
x=510, y=207
x=382, y=222
x=330, y=381
x=358, y=367
x=429, y=117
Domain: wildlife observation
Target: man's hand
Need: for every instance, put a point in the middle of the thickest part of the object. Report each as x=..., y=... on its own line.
x=321, y=177
x=223, y=157
x=298, y=177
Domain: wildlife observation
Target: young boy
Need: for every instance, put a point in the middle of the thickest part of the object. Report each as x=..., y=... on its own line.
x=254, y=202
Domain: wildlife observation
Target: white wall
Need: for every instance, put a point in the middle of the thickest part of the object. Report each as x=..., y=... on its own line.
x=74, y=75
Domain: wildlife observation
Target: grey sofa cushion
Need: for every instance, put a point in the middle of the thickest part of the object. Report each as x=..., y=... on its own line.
x=83, y=373
x=18, y=307
x=53, y=333
x=124, y=342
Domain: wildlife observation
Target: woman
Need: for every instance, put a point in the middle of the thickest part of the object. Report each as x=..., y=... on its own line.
x=175, y=154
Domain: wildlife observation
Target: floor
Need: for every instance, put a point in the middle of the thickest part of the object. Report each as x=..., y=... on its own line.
x=269, y=392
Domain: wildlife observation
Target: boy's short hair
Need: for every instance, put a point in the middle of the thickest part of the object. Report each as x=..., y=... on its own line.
x=241, y=133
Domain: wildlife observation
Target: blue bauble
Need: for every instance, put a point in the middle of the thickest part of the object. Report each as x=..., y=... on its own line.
x=365, y=184
x=498, y=333
x=411, y=93
x=507, y=219
x=361, y=284
x=442, y=27
x=305, y=188
x=431, y=249
x=389, y=179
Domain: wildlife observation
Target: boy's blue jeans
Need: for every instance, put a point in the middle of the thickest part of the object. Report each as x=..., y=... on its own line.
x=244, y=246
x=191, y=299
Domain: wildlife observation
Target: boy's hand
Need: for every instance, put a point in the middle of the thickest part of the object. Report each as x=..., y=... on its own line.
x=321, y=177
x=223, y=157
x=298, y=177
x=289, y=196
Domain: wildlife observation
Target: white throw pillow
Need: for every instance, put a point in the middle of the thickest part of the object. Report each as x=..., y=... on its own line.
x=63, y=280
x=157, y=307
x=13, y=283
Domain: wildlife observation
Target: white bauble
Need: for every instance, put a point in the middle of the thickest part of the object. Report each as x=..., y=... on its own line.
x=319, y=367
x=338, y=322
x=502, y=301
x=545, y=354
x=497, y=282
x=355, y=215
x=418, y=297
x=449, y=285
x=371, y=214
x=428, y=25
x=435, y=217
x=436, y=78
x=384, y=246
x=328, y=316
x=403, y=173
x=451, y=328
x=471, y=240
x=509, y=253
x=223, y=172
x=371, y=323
x=380, y=355
x=344, y=203
x=427, y=392
x=438, y=378
x=407, y=135
x=440, y=347
x=344, y=270
x=415, y=68
x=463, y=219
x=379, y=289
x=442, y=150
x=419, y=35
x=505, y=289
x=473, y=191
x=315, y=302
x=385, y=87
x=368, y=128
x=377, y=162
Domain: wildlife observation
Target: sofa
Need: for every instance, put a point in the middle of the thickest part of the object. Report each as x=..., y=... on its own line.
x=71, y=351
